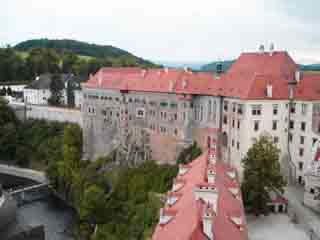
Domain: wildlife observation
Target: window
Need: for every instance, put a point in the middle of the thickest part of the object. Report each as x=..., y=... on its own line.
x=300, y=166
x=233, y=123
x=314, y=140
x=184, y=116
x=238, y=124
x=163, y=130
x=301, y=151
x=293, y=108
x=163, y=104
x=234, y=107
x=290, y=137
x=175, y=116
x=291, y=124
x=311, y=190
x=303, y=126
x=275, y=109
x=274, y=125
x=304, y=108
x=225, y=106
x=232, y=143
x=256, y=125
x=174, y=105
x=176, y=132
x=240, y=108
x=301, y=139
x=104, y=112
x=275, y=139
x=256, y=109
x=225, y=119
x=238, y=145
x=140, y=113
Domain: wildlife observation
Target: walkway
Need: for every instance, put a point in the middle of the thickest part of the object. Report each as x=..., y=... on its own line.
x=306, y=217
x=36, y=176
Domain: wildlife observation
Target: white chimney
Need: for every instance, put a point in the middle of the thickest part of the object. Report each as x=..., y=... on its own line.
x=271, y=49
x=269, y=91
x=166, y=70
x=297, y=76
x=207, y=221
x=211, y=175
x=184, y=83
x=100, y=78
x=261, y=49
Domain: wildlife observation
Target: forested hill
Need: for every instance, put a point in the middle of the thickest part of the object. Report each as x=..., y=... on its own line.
x=29, y=59
x=212, y=67
x=78, y=47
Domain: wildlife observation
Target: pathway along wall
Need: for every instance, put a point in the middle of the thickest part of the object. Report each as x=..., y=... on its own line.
x=54, y=114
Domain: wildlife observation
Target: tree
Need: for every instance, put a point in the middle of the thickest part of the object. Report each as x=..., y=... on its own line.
x=189, y=154
x=56, y=87
x=261, y=175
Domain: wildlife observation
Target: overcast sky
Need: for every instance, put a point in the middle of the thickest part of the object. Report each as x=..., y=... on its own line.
x=170, y=30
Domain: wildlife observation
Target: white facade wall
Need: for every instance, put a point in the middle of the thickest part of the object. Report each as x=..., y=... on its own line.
x=54, y=114
x=15, y=88
x=244, y=136
x=40, y=96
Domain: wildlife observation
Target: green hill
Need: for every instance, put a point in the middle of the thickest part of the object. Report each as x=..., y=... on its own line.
x=79, y=48
x=212, y=67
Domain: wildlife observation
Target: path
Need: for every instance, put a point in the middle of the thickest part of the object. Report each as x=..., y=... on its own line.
x=306, y=217
x=33, y=175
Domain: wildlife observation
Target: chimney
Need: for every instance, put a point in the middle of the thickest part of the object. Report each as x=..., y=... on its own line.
x=271, y=49
x=207, y=221
x=184, y=83
x=166, y=70
x=211, y=175
x=261, y=49
x=100, y=78
x=143, y=72
x=297, y=76
x=269, y=91
x=219, y=68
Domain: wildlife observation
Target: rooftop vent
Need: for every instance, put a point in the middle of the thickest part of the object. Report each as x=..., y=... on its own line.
x=271, y=49
x=269, y=91
x=184, y=83
x=207, y=221
x=261, y=48
x=297, y=76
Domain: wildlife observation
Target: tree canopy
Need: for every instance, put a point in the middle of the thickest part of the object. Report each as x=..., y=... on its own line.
x=261, y=175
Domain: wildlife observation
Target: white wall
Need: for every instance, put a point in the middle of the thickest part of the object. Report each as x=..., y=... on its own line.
x=54, y=114
x=246, y=133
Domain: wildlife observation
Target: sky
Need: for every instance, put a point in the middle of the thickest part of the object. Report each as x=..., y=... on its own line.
x=171, y=30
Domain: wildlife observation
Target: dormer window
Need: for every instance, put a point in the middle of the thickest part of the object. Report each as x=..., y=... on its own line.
x=231, y=174
x=140, y=113
x=237, y=221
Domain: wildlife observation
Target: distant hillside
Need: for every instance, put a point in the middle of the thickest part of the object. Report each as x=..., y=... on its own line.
x=212, y=67
x=80, y=48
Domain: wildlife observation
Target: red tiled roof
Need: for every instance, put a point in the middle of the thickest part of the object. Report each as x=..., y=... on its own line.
x=187, y=222
x=247, y=78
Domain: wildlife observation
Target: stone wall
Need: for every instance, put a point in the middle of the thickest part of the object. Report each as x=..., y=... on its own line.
x=54, y=114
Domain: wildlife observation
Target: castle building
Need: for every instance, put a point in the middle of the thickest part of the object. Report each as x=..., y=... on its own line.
x=38, y=92
x=262, y=93
x=312, y=180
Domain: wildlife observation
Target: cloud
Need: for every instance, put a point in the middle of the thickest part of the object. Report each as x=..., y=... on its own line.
x=173, y=30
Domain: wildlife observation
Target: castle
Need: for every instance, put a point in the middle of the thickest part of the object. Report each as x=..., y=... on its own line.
x=263, y=92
